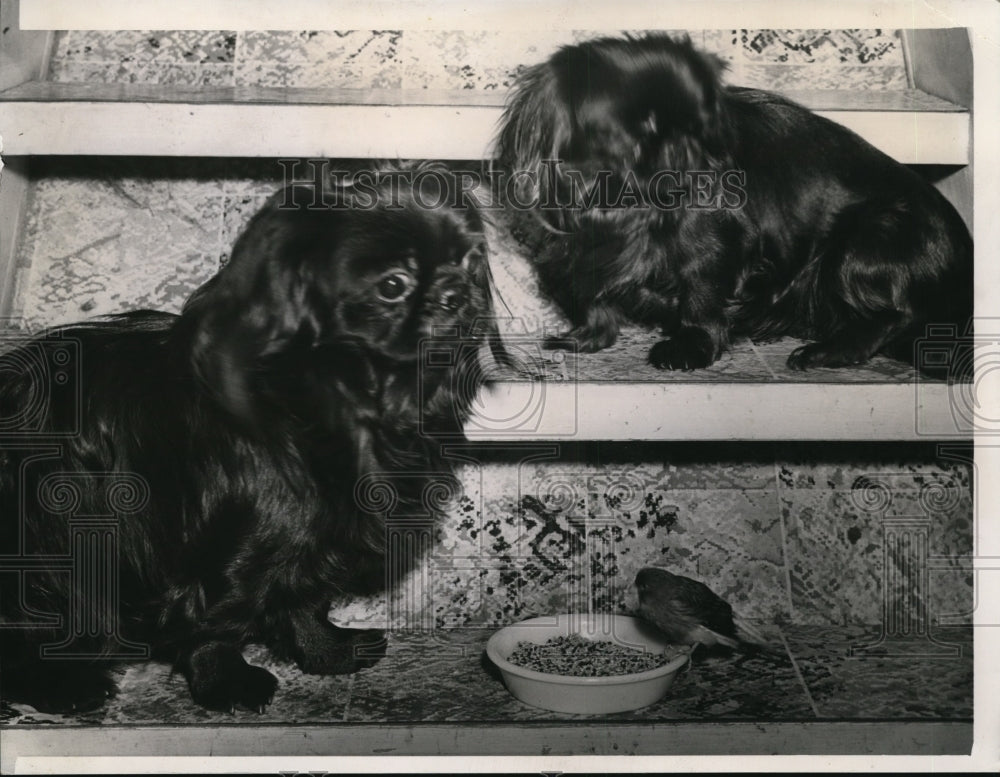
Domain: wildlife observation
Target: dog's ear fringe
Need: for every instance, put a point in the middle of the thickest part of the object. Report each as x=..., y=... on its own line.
x=535, y=120
x=538, y=119
x=230, y=322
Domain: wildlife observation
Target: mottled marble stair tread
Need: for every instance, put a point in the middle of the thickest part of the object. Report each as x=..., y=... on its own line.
x=48, y=91
x=43, y=117
x=51, y=91
x=746, y=361
x=749, y=394
x=436, y=694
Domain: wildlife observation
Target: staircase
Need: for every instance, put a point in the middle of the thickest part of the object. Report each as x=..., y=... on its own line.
x=610, y=396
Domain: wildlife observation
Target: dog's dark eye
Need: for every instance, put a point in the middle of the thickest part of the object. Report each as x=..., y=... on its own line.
x=394, y=286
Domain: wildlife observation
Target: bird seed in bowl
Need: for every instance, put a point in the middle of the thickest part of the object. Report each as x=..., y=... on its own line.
x=574, y=656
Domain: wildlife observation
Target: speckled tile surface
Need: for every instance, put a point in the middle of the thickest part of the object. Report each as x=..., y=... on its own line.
x=110, y=245
x=480, y=60
x=879, y=369
x=782, y=539
x=152, y=694
x=933, y=680
x=353, y=59
x=834, y=522
x=571, y=536
x=736, y=686
x=465, y=59
x=105, y=236
x=821, y=46
x=444, y=676
x=782, y=78
x=128, y=46
x=716, y=686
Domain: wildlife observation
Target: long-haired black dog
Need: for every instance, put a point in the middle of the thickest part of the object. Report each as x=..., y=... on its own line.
x=672, y=200
x=233, y=438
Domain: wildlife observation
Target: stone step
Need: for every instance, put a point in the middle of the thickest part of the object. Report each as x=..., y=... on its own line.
x=43, y=117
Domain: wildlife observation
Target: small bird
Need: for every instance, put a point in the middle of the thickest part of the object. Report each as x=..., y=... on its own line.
x=690, y=613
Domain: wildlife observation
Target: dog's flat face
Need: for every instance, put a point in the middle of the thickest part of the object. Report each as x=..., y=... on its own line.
x=384, y=270
x=398, y=277
x=615, y=108
x=631, y=97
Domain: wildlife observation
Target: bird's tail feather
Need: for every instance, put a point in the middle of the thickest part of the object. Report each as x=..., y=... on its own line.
x=750, y=637
x=722, y=639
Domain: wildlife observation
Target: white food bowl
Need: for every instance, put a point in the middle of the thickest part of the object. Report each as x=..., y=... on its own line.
x=562, y=693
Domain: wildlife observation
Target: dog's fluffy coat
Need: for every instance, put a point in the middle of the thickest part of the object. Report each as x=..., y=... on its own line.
x=809, y=230
x=249, y=420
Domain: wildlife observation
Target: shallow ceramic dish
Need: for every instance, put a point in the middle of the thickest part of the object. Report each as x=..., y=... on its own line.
x=561, y=693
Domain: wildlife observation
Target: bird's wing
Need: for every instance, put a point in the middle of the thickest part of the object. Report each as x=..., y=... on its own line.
x=698, y=601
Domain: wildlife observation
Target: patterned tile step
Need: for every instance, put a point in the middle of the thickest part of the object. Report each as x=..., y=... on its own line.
x=858, y=672
x=445, y=677
x=471, y=60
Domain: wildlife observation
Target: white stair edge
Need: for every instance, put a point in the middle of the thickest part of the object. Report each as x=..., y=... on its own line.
x=137, y=748
x=364, y=131
x=517, y=411
x=512, y=15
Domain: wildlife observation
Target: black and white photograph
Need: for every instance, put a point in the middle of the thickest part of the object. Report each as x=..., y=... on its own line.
x=521, y=386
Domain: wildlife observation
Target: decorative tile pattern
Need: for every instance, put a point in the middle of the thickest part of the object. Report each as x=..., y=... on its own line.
x=100, y=247
x=822, y=46
x=359, y=59
x=458, y=59
x=237, y=210
x=833, y=523
x=445, y=676
x=925, y=684
x=781, y=78
x=571, y=536
x=453, y=59
x=147, y=73
x=127, y=46
x=104, y=236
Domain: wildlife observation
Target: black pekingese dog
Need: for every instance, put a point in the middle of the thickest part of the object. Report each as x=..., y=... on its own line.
x=221, y=449
x=661, y=196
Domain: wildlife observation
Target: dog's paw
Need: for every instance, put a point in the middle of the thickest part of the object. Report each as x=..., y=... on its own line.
x=66, y=690
x=802, y=358
x=220, y=679
x=328, y=649
x=690, y=348
x=822, y=355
